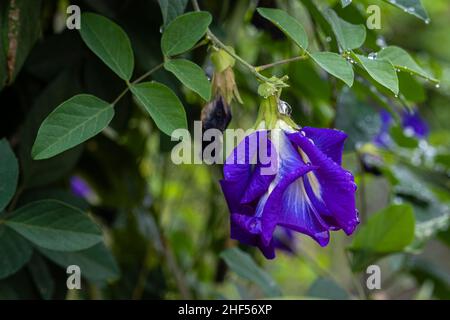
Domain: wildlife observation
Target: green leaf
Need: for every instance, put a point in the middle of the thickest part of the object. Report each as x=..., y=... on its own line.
x=43, y=172
x=55, y=225
x=96, y=263
x=288, y=24
x=327, y=289
x=403, y=61
x=241, y=263
x=42, y=277
x=191, y=75
x=349, y=36
x=15, y=251
x=109, y=42
x=357, y=118
x=9, y=173
x=381, y=71
x=162, y=104
x=171, y=9
x=184, y=32
x=71, y=123
x=387, y=231
x=413, y=7
x=335, y=65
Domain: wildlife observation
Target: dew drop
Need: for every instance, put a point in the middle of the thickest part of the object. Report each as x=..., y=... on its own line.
x=372, y=56
x=427, y=21
x=437, y=86
x=328, y=39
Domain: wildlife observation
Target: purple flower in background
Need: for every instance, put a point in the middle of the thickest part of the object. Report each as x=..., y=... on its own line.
x=412, y=124
x=306, y=190
x=79, y=187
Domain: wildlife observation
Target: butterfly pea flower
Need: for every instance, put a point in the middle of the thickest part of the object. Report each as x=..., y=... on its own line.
x=284, y=176
x=412, y=124
x=80, y=188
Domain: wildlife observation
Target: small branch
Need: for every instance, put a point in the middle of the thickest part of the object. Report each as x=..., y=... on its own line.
x=276, y=63
x=145, y=75
x=222, y=46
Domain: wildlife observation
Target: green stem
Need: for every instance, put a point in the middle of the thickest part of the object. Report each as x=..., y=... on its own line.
x=276, y=63
x=145, y=75
x=216, y=41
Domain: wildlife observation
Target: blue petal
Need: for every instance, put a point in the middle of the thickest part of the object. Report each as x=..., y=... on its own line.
x=336, y=186
x=329, y=141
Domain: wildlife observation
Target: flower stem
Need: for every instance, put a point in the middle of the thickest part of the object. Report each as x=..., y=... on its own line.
x=276, y=63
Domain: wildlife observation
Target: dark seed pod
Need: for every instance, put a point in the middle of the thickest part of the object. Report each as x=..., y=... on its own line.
x=216, y=114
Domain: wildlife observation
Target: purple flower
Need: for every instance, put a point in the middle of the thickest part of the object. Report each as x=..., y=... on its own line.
x=302, y=188
x=79, y=187
x=412, y=124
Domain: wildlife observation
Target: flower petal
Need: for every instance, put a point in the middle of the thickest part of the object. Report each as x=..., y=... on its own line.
x=329, y=141
x=248, y=230
x=336, y=186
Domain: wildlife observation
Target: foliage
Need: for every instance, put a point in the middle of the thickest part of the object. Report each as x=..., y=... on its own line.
x=94, y=108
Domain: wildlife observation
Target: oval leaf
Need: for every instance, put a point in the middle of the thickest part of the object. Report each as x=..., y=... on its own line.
x=403, y=61
x=349, y=36
x=286, y=23
x=96, y=263
x=171, y=9
x=387, y=231
x=413, y=7
x=109, y=42
x=55, y=225
x=191, y=75
x=335, y=65
x=162, y=104
x=184, y=32
x=15, y=251
x=381, y=71
x=9, y=173
x=71, y=123
x=243, y=264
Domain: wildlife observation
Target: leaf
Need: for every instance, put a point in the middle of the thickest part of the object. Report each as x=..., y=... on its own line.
x=241, y=263
x=327, y=289
x=403, y=61
x=191, y=75
x=184, y=32
x=96, y=263
x=357, y=118
x=55, y=225
x=15, y=251
x=20, y=28
x=286, y=23
x=71, y=123
x=335, y=65
x=109, y=42
x=42, y=277
x=387, y=231
x=9, y=173
x=413, y=7
x=381, y=71
x=42, y=172
x=349, y=36
x=162, y=104
x=171, y=9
